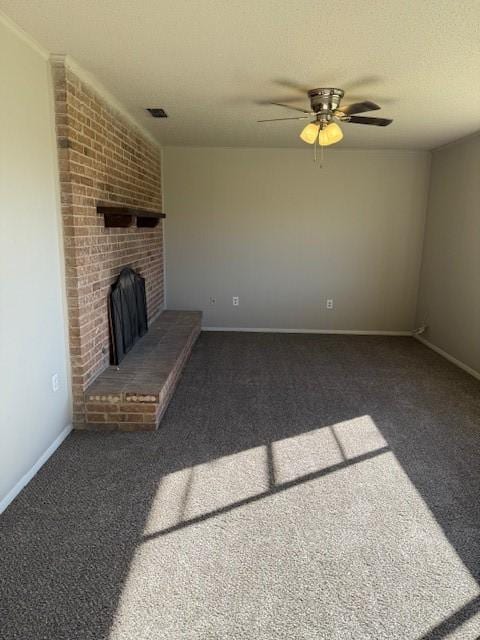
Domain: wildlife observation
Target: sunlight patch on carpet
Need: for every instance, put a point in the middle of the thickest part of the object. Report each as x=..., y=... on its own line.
x=341, y=539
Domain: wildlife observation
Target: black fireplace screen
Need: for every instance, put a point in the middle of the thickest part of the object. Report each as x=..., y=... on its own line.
x=128, y=313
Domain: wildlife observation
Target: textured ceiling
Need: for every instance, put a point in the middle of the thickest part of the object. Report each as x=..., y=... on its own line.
x=209, y=63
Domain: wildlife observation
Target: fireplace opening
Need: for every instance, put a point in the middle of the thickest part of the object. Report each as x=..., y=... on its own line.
x=127, y=313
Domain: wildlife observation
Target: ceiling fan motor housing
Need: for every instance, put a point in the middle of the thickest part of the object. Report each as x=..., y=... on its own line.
x=324, y=102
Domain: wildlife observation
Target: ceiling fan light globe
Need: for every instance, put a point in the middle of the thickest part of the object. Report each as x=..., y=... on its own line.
x=323, y=139
x=330, y=135
x=335, y=134
x=310, y=133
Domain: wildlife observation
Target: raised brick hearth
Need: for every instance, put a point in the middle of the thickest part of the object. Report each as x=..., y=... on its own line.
x=134, y=396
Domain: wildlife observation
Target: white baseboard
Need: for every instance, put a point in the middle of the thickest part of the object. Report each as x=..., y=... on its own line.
x=448, y=357
x=353, y=332
x=11, y=495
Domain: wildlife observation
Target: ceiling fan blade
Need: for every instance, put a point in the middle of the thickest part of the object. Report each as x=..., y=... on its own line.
x=379, y=122
x=291, y=84
x=358, y=107
x=287, y=106
x=380, y=98
x=283, y=100
x=360, y=83
x=277, y=119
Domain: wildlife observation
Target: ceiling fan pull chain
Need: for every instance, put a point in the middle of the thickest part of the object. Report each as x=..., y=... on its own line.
x=315, y=144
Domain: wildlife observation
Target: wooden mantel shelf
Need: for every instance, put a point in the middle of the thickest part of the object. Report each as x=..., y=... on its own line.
x=122, y=215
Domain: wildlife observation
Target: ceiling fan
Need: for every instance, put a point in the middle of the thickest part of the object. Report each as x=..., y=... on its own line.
x=327, y=112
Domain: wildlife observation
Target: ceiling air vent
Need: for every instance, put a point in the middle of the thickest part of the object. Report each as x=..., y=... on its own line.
x=157, y=112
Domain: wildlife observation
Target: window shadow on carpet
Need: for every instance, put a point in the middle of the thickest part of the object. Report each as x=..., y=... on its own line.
x=454, y=621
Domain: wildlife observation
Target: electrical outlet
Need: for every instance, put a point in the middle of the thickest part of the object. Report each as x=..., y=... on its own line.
x=55, y=382
x=213, y=300
x=235, y=301
x=329, y=303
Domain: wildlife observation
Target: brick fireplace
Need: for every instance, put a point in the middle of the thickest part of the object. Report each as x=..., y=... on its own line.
x=102, y=157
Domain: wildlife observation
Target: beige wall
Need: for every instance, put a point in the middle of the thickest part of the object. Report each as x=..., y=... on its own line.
x=272, y=227
x=449, y=297
x=32, y=319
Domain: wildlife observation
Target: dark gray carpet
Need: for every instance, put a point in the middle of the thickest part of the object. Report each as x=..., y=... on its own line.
x=301, y=486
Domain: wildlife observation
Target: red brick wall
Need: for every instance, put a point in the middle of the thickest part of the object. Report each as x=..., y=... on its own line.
x=102, y=156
